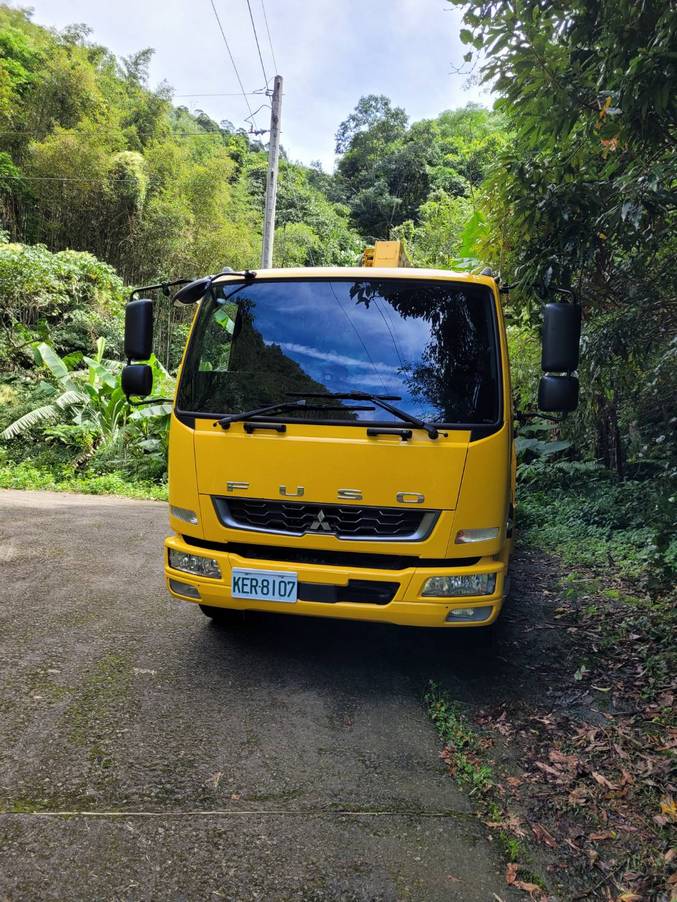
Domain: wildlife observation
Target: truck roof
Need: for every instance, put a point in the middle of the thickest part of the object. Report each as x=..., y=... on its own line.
x=362, y=272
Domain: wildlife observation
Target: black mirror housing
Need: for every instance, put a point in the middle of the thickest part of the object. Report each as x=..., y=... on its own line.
x=561, y=337
x=558, y=394
x=137, y=380
x=139, y=329
x=192, y=292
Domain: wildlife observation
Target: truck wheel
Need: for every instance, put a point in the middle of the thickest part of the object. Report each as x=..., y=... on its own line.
x=223, y=616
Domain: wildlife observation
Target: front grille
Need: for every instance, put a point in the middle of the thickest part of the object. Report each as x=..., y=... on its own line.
x=344, y=521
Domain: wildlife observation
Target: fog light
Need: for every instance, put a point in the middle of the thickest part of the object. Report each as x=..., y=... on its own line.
x=466, y=536
x=469, y=615
x=182, y=513
x=472, y=584
x=183, y=589
x=194, y=563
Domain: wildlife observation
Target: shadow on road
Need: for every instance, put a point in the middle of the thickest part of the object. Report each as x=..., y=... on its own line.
x=487, y=666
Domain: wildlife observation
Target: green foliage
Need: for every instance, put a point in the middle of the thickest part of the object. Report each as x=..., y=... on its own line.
x=68, y=297
x=86, y=412
x=25, y=475
x=92, y=159
x=582, y=197
x=463, y=743
x=582, y=513
x=391, y=174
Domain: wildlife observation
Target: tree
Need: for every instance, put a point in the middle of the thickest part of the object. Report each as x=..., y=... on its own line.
x=581, y=196
x=375, y=115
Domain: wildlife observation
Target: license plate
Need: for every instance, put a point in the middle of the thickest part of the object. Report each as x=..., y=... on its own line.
x=264, y=585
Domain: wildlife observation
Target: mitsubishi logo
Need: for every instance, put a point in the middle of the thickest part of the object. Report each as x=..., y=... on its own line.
x=320, y=522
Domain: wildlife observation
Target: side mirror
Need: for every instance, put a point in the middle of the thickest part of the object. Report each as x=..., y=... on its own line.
x=192, y=292
x=558, y=394
x=561, y=337
x=137, y=379
x=139, y=329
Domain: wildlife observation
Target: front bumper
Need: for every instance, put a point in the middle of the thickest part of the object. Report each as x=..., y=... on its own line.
x=407, y=608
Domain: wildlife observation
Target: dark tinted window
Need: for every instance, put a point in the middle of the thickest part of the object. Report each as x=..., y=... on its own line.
x=431, y=345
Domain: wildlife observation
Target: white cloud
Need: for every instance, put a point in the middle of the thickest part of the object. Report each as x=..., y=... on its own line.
x=330, y=357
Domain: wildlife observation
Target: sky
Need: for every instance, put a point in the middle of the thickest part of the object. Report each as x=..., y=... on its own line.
x=329, y=52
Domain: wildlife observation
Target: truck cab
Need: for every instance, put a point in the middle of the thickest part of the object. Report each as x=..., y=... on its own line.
x=341, y=445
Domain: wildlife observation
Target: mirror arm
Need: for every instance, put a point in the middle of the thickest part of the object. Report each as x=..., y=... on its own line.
x=150, y=401
x=522, y=416
x=571, y=293
x=163, y=286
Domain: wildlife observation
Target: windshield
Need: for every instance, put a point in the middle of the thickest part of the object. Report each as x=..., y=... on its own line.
x=430, y=346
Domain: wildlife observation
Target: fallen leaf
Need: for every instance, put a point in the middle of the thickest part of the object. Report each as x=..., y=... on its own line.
x=602, y=780
x=598, y=837
x=511, y=880
x=670, y=855
x=629, y=897
x=557, y=757
x=511, y=823
x=511, y=873
x=549, y=770
x=669, y=808
x=578, y=795
x=543, y=835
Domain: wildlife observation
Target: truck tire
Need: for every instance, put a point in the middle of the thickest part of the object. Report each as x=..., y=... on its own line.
x=223, y=616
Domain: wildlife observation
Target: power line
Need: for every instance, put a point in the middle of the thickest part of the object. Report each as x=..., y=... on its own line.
x=270, y=40
x=357, y=332
x=63, y=178
x=256, y=38
x=392, y=337
x=237, y=74
x=172, y=135
x=219, y=94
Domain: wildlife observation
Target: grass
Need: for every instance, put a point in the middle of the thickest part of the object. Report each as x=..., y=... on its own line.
x=465, y=756
x=26, y=475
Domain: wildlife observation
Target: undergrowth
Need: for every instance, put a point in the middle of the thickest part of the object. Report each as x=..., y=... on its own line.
x=25, y=475
x=587, y=517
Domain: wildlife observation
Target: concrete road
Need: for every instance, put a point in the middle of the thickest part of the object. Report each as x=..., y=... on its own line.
x=147, y=754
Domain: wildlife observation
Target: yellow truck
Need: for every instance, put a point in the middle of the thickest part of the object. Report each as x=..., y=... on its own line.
x=341, y=441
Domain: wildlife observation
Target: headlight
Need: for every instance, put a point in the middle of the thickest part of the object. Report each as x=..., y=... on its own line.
x=448, y=586
x=194, y=563
x=466, y=536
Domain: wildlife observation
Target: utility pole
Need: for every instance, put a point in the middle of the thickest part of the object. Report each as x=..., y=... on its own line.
x=271, y=179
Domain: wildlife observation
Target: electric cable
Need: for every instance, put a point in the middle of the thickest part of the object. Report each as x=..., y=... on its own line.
x=392, y=337
x=256, y=38
x=361, y=340
x=270, y=40
x=232, y=59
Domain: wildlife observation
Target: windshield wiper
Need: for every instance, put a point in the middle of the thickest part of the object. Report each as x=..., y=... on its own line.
x=381, y=401
x=281, y=407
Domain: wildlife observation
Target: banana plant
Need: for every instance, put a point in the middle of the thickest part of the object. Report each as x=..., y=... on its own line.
x=92, y=397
